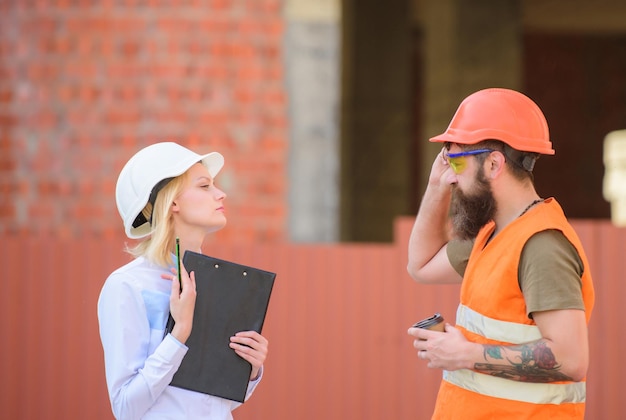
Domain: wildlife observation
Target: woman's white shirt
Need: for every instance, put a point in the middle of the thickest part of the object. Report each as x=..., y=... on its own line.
x=133, y=308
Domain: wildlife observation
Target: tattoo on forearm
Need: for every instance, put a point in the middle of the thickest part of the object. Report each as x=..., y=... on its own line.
x=530, y=362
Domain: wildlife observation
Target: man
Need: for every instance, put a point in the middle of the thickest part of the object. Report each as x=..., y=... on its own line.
x=520, y=346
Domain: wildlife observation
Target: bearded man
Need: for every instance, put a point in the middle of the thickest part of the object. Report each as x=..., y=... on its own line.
x=519, y=348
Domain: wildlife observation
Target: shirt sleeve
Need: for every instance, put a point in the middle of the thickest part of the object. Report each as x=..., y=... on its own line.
x=136, y=374
x=253, y=384
x=458, y=252
x=249, y=391
x=550, y=273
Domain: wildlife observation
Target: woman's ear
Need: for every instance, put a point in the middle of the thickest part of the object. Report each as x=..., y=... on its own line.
x=175, y=207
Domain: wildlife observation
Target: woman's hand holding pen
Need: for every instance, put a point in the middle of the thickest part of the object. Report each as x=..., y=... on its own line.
x=182, y=302
x=252, y=347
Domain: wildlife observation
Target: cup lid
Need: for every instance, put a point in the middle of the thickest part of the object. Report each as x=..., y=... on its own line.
x=429, y=322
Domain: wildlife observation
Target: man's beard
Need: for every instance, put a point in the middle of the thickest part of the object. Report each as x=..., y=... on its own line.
x=470, y=212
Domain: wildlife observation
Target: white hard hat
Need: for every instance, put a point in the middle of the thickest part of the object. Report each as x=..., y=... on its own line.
x=143, y=172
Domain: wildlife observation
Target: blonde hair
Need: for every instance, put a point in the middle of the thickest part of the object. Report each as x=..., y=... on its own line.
x=158, y=247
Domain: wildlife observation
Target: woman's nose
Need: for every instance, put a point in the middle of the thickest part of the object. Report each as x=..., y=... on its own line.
x=219, y=194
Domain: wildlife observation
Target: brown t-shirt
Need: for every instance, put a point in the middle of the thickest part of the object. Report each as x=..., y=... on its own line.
x=549, y=272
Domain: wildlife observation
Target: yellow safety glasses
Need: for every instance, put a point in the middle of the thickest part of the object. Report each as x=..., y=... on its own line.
x=458, y=161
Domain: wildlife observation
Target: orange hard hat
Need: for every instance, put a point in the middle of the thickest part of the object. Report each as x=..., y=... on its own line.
x=499, y=114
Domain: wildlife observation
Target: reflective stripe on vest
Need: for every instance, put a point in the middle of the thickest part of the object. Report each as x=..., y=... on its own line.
x=537, y=393
x=493, y=329
x=510, y=332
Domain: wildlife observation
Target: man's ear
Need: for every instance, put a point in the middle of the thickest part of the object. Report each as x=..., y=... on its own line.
x=494, y=164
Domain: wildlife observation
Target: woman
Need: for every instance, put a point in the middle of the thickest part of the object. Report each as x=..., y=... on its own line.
x=163, y=192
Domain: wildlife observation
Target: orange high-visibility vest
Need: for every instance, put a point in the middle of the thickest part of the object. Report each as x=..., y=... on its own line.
x=492, y=310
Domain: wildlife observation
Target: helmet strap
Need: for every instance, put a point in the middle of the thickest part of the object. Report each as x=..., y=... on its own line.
x=524, y=160
x=141, y=219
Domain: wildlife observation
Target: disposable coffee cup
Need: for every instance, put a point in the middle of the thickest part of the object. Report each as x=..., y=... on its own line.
x=434, y=323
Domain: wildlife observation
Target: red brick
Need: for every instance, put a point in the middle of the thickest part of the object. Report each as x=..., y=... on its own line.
x=6, y=72
x=245, y=96
x=85, y=187
x=220, y=4
x=85, y=45
x=272, y=143
x=174, y=94
x=215, y=73
x=7, y=211
x=122, y=117
x=248, y=27
x=82, y=68
x=62, y=4
x=86, y=164
x=219, y=50
x=196, y=47
x=128, y=93
x=172, y=116
x=87, y=93
x=5, y=188
x=105, y=26
x=250, y=73
x=129, y=143
x=246, y=53
x=75, y=117
x=39, y=24
x=44, y=119
x=55, y=45
x=6, y=95
x=42, y=94
x=42, y=209
x=274, y=28
x=65, y=189
x=272, y=7
x=169, y=71
x=22, y=187
x=86, y=211
x=7, y=164
x=107, y=47
x=124, y=70
x=65, y=231
x=216, y=26
x=275, y=73
x=45, y=188
x=87, y=4
x=5, y=144
x=173, y=25
x=6, y=47
x=40, y=72
x=65, y=93
x=195, y=94
x=107, y=186
x=130, y=49
x=213, y=118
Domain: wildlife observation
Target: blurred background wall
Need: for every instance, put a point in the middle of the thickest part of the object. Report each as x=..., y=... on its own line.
x=322, y=109
x=85, y=84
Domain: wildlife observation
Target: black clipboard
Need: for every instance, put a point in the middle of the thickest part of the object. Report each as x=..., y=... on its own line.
x=230, y=298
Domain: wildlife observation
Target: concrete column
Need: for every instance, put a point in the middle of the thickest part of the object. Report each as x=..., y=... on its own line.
x=312, y=53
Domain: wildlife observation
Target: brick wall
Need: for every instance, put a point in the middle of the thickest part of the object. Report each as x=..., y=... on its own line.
x=84, y=84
